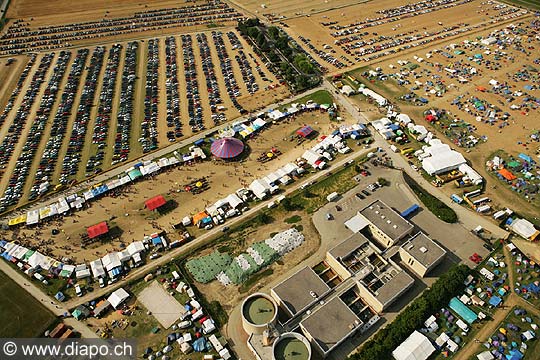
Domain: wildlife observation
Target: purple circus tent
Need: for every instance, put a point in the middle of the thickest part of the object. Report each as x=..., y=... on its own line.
x=227, y=148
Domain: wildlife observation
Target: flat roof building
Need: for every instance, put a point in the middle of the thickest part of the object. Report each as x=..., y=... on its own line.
x=385, y=224
x=330, y=325
x=295, y=293
x=380, y=281
x=421, y=254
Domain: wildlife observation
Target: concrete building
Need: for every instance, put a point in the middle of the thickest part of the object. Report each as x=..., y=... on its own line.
x=330, y=325
x=385, y=225
x=421, y=254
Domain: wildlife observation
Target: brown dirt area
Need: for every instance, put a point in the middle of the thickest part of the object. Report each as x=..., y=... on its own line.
x=223, y=177
x=55, y=11
x=519, y=128
x=312, y=28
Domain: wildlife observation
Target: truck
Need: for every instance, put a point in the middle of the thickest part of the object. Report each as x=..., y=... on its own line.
x=411, y=210
x=456, y=198
x=333, y=196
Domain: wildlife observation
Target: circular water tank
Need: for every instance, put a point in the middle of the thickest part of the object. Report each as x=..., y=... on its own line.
x=291, y=346
x=258, y=311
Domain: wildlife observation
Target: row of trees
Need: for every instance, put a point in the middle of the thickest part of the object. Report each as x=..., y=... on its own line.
x=413, y=317
x=284, y=54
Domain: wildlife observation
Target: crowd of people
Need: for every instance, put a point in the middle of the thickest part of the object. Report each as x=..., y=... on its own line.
x=22, y=37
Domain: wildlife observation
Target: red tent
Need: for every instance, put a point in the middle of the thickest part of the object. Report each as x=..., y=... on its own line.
x=155, y=202
x=97, y=230
x=305, y=131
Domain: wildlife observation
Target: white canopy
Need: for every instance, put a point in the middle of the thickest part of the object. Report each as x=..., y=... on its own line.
x=415, y=347
x=118, y=297
x=97, y=268
x=135, y=247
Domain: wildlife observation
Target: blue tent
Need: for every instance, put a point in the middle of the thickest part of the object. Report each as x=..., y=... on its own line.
x=199, y=345
x=59, y=296
x=514, y=355
x=156, y=241
x=495, y=301
x=525, y=157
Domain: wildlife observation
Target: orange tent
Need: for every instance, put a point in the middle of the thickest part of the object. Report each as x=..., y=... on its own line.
x=507, y=174
x=198, y=217
x=481, y=88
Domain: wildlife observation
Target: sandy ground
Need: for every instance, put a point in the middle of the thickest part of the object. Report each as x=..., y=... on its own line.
x=317, y=30
x=513, y=138
x=250, y=102
x=280, y=9
x=223, y=177
x=50, y=12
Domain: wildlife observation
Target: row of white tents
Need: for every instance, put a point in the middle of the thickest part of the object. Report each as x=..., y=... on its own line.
x=64, y=204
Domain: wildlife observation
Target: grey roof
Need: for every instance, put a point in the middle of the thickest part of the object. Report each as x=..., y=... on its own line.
x=294, y=291
x=386, y=219
x=331, y=323
x=347, y=246
x=396, y=285
x=423, y=249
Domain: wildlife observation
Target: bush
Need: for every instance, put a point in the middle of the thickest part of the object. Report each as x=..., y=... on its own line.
x=293, y=219
x=386, y=340
x=382, y=181
x=264, y=219
x=436, y=206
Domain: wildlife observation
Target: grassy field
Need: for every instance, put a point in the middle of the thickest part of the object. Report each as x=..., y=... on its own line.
x=21, y=314
x=531, y=4
x=313, y=197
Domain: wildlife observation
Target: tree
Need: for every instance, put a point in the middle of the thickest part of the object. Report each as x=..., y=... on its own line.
x=253, y=32
x=273, y=32
x=264, y=219
x=382, y=181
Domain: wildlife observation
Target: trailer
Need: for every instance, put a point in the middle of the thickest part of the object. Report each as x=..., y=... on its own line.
x=456, y=198
x=405, y=214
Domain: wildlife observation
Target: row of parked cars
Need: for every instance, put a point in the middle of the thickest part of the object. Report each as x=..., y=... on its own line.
x=125, y=108
x=103, y=118
x=247, y=72
x=22, y=166
x=233, y=90
x=70, y=165
x=149, y=132
x=59, y=127
x=214, y=94
x=171, y=86
x=192, y=86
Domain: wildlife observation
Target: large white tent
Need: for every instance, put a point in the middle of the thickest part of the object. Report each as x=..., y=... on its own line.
x=416, y=347
x=118, y=297
x=442, y=159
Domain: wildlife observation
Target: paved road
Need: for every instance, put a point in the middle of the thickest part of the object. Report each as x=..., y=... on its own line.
x=209, y=235
x=56, y=308
x=468, y=218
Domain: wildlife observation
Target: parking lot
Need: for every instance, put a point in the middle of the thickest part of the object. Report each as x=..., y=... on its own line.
x=397, y=195
x=76, y=113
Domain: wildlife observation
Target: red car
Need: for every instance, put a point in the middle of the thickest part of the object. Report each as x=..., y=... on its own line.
x=475, y=258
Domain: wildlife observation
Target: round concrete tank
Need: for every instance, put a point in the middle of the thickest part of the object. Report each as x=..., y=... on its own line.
x=291, y=346
x=258, y=311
